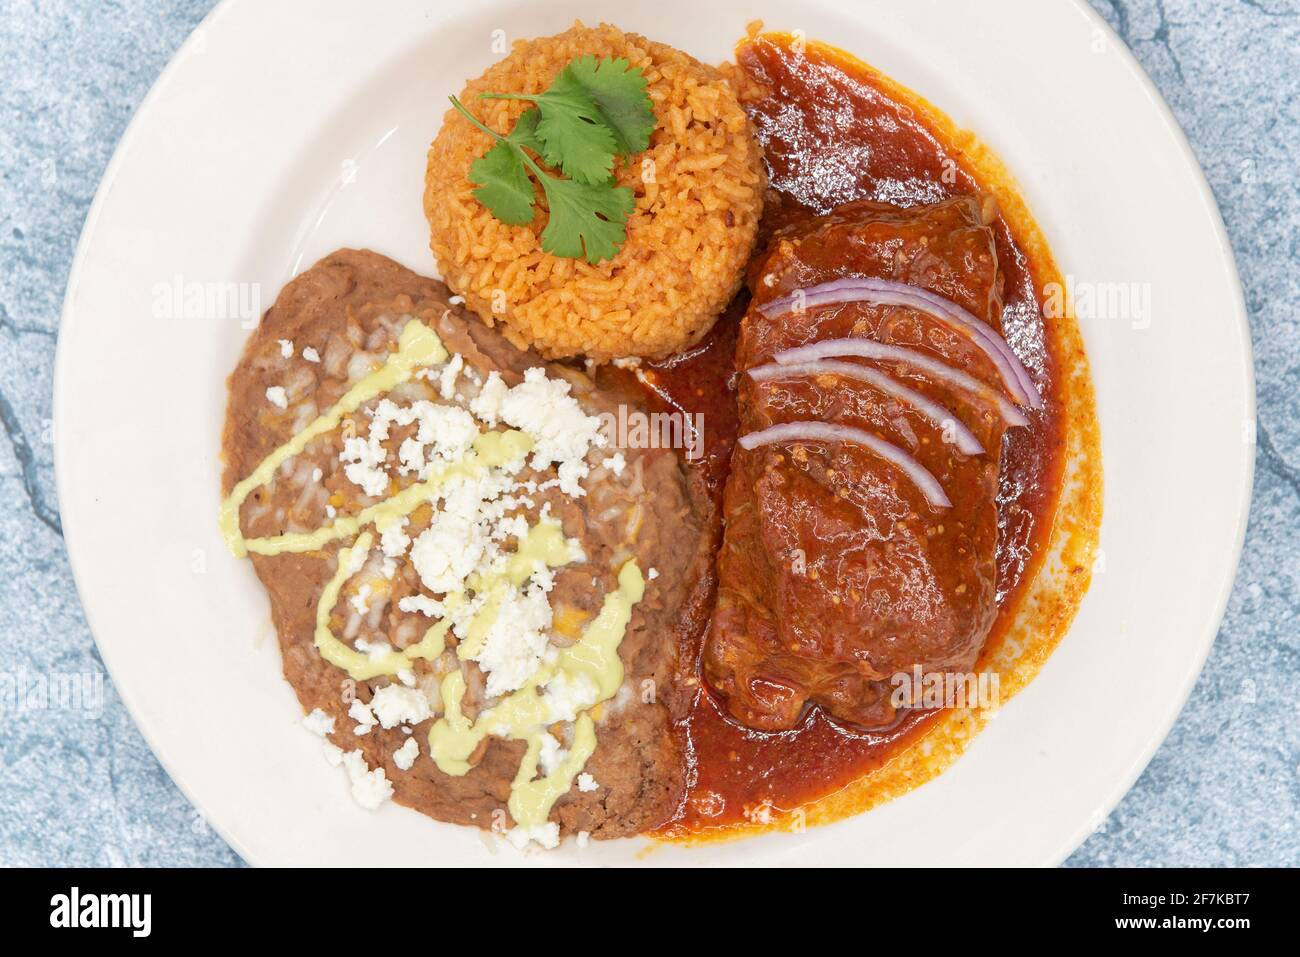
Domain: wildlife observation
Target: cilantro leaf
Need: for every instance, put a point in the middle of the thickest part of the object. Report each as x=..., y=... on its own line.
x=619, y=93
x=594, y=112
x=525, y=131
x=573, y=141
x=569, y=133
x=503, y=184
x=587, y=221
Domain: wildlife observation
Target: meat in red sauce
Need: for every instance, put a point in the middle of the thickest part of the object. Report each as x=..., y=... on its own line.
x=834, y=135
x=835, y=572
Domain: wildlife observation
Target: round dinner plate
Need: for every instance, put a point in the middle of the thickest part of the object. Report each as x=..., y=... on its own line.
x=284, y=130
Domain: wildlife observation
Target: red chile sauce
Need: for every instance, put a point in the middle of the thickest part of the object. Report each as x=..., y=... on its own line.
x=833, y=133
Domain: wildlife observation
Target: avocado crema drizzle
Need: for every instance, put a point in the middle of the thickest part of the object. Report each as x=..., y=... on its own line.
x=524, y=714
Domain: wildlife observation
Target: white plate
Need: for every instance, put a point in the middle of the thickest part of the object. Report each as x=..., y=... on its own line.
x=281, y=131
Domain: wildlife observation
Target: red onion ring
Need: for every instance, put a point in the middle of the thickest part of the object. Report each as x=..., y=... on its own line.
x=826, y=432
x=888, y=293
x=870, y=349
x=939, y=417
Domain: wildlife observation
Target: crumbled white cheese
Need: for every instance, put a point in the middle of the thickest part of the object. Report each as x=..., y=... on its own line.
x=318, y=722
x=361, y=600
x=584, y=837
x=310, y=354
x=543, y=577
x=513, y=647
x=405, y=756
x=487, y=404
x=571, y=474
x=286, y=348
x=317, y=475
x=586, y=783
x=542, y=408
x=460, y=537
x=277, y=397
x=446, y=552
x=463, y=615
x=407, y=677
x=566, y=695
x=652, y=574
x=443, y=433
x=423, y=605
x=363, y=464
x=615, y=463
x=376, y=650
x=511, y=526
x=447, y=378
x=393, y=540
x=360, y=712
x=547, y=835
x=369, y=788
x=552, y=753
x=398, y=704
x=410, y=456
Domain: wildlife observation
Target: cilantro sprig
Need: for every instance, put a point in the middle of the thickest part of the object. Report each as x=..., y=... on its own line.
x=593, y=113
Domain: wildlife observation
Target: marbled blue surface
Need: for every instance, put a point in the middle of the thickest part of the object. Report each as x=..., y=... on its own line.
x=78, y=785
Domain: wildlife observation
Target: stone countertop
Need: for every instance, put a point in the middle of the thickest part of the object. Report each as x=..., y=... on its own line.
x=80, y=787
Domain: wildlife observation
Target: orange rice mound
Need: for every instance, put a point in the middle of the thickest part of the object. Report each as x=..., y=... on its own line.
x=699, y=195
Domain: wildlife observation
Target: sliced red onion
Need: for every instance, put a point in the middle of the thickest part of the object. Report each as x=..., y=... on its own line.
x=788, y=432
x=870, y=349
x=888, y=293
x=941, y=418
